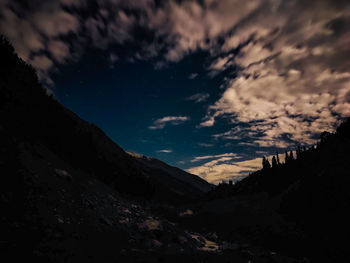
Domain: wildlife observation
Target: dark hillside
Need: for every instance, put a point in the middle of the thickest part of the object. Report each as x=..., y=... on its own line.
x=29, y=114
x=299, y=207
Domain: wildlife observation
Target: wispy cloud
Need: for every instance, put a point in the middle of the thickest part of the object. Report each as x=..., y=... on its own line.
x=199, y=97
x=165, y=151
x=113, y=58
x=202, y=144
x=253, y=137
x=173, y=120
x=226, y=168
x=199, y=158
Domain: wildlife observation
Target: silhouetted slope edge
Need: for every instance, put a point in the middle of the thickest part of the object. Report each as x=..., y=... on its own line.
x=29, y=114
x=173, y=173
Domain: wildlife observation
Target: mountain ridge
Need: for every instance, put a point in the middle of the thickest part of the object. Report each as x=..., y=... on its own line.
x=174, y=172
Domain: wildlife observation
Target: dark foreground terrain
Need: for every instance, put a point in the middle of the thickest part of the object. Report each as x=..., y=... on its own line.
x=70, y=194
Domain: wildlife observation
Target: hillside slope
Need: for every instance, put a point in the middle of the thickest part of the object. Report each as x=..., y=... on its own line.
x=28, y=114
x=53, y=212
x=174, y=174
x=70, y=194
x=299, y=208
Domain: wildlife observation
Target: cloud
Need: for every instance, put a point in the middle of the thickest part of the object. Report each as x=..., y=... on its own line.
x=35, y=29
x=199, y=158
x=59, y=50
x=220, y=64
x=60, y=30
x=42, y=63
x=286, y=63
x=113, y=58
x=199, y=97
x=189, y=26
x=165, y=151
x=55, y=22
x=292, y=83
x=225, y=168
x=202, y=144
x=76, y=3
x=193, y=76
x=173, y=120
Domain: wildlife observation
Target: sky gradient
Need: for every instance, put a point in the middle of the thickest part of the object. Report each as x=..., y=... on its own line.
x=208, y=86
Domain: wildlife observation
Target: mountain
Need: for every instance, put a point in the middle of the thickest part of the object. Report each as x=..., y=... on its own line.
x=30, y=115
x=173, y=177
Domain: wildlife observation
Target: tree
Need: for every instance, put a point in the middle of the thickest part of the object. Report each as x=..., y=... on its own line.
x=274, y=162
x=291, y=156
x=298, y=152
x=266, y=164
x=286, y=158
x=324, y=136
x=277, y=158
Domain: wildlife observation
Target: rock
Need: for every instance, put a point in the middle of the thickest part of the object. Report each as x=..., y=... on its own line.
x=105, y=221
x=212, y=236
x=188, y=212
x=183, y=240
x=173, y=248
x=64, y=174
x=231, y=246
x=150, y=224
x=155, y=244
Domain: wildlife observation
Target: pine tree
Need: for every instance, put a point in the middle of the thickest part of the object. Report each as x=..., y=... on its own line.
x=274, y=162
x=298, y=152
x=263, y=162
x=277, y=158
x=266, y=164
x=291, y=156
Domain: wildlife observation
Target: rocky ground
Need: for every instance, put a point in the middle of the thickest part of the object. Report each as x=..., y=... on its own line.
x=70, y=216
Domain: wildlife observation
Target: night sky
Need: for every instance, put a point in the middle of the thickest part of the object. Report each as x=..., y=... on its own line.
x=208, y=86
